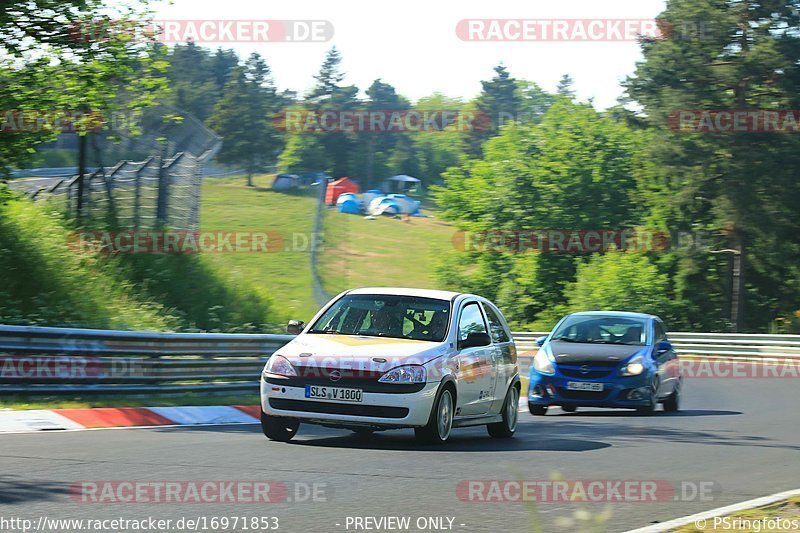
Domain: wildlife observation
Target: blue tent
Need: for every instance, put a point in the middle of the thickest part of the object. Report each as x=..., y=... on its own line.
x=350, y=206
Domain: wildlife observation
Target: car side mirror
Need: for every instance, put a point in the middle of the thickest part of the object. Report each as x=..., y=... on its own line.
x=474, y=339
x=663, y=347
x=295, y=327
x=540, y=340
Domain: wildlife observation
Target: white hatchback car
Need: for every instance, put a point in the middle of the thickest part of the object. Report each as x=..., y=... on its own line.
x=386, y=358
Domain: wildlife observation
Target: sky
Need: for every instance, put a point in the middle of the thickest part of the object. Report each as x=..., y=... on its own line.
x=413, y=45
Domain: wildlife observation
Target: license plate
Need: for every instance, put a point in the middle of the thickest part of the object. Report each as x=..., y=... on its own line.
x=584, y=385
x=334, y=393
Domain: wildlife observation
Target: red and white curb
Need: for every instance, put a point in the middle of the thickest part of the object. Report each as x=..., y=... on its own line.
x=706, y=518
x=128, y=417
x=134, y=417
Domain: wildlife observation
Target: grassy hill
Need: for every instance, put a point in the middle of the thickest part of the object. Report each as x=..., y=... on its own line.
x=382, y=252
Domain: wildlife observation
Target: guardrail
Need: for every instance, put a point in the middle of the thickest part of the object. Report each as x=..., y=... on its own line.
x=42, y=360
x=48, y=361
x=734, y=345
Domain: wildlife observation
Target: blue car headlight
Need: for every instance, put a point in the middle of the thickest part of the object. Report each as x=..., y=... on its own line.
x=634, y=367
x=544, y=363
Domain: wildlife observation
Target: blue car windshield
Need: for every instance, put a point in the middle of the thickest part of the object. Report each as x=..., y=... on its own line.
x=596, y=329
x=385, y=315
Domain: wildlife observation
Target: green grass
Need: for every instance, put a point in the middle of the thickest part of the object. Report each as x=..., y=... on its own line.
x=284, y=277
x=382, y=252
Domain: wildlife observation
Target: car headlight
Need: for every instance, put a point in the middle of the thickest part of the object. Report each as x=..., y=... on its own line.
x=405, y=374
x=542, y=363
x=278, y=365
x=634, y=367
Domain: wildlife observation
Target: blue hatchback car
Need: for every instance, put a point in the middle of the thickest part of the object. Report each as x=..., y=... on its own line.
x=605, y=359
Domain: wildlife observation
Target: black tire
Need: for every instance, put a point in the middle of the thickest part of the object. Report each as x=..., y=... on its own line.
x=569, y=408
x=438, y=428
x=279, y=428
x=537, y=410
x=506, y=428
x=673, y=401
x=650, y=408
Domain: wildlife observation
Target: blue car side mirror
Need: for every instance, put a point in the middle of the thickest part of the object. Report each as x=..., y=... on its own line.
x=540, y=340
x=663, y=346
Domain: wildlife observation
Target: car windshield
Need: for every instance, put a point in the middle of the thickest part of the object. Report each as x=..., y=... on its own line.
x=602, y=330
x=402, y=317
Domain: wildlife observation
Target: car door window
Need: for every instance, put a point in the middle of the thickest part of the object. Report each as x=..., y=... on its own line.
x=471, y=321
x=661, y=333
x=496, y=329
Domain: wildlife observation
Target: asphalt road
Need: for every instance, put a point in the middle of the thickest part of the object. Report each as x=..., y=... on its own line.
x=741, y=435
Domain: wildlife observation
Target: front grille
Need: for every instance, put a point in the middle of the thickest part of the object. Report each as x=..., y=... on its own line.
x=377, y=411
x=582, y=394
x=365, y=384
x=590, y=373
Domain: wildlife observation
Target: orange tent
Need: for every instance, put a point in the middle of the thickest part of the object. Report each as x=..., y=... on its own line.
x=339, y=187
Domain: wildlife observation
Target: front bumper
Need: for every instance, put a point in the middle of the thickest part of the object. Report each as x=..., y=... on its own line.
x=377, y=409
x=618, y=391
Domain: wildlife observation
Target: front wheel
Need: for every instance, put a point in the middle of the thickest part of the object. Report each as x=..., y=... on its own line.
x=537, y=410
x=279, y=428
x=440, y=422
x=569, y=408
x=506, y=428
x=673, y=402
x=652, y=402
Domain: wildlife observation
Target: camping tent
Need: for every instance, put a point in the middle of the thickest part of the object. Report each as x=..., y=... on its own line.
x=338, y=187
x=346, y=196
x=285, y=182
x=383, y=205
x=349, y=205
x=401, y=183
x=368, y=196
x=408, y=206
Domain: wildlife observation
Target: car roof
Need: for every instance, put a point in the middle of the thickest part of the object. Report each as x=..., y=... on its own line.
x=402, y=291
x=626, y=314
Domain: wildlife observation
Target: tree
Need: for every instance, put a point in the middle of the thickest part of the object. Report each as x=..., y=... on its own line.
x=622, y=281
x=243, y=117
x=61, y=67
x=575, y=170
x=724, y=56
x=565, y=87
x=498, y=102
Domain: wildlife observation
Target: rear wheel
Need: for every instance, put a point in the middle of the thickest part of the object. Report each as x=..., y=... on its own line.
x=279, y=428
x=673, y=402
x=537, y=410
x=569, y=408
x=506, y=428
x=440, y=422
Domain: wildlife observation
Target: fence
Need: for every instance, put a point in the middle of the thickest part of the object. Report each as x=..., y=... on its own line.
x=39, y=360
x=736, y=345
x=142, y=195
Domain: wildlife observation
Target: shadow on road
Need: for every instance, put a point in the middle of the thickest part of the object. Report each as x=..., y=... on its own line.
x=15, y=490
x=624, y=413
x=463, y=442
